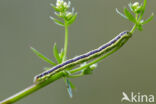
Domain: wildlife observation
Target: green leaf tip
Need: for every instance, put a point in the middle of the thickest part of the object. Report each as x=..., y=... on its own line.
x=61, y=54
x=56, y=21
x=70, y=86
x=40, y=55
x=135, y=15
x=56, y=54
x=129, y=15
x=121, y=14
x=149, y=19
x=73, y=18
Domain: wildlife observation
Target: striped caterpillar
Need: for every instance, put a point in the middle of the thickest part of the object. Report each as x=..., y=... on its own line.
x=115, y=42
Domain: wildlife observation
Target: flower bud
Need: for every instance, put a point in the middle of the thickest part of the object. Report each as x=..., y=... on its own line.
x=69, y=15
x=62, y=5
x=92, y=67
x=65, y=5
x=59, y=3
x=135, y=5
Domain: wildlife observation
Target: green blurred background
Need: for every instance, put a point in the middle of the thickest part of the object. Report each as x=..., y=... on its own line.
x=25, y=23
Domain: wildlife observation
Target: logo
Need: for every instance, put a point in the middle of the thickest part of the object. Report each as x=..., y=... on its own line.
x=137, y=97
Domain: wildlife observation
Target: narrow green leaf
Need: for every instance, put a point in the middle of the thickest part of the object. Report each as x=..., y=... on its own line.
x=72, y=19
x=149, y=19
x=122, y=15
x=42, y=56
x=56, y=54
x=70, y=86
x=129, y=15
x=57, y=14
x=57, y=21
x=130, y=6
x=53, y=6
x=144, y=6
x=61, y=54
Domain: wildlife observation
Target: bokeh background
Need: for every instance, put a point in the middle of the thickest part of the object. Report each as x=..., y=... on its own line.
x=25, y=23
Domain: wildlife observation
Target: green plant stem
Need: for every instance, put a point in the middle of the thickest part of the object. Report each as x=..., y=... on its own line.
x=29, y=90
x=101, y=58
x=135, y=25
x=66, y=40
x=36, y=87
x=144, y=6
x=133, y=29
x=55, y=77
x=75, y=76
x=95, y=61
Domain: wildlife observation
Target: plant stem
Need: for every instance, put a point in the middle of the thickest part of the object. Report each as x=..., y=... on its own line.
x=93, y=62
x=101, y=58
x=75, y=76
x=58, y=75
x=31, y=89
x=133, y=29
x=66, y=40
x=36, y=87
x=144, y=6
x=135, y=25
x=53, y=78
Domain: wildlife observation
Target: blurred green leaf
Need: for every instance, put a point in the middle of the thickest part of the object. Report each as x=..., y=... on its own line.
x=56, y=54
x=57, y=21
x=87, y=71
x=72, y=19
x=70, y=86
x=42, y=56
x=143, y=7
x=149, y=19
x=61, y=54
x=129, y=15
x=130, y=6
x=69, y=89
x=139, y=27
x=122, y=15
x=53, y=6
x=58, y=14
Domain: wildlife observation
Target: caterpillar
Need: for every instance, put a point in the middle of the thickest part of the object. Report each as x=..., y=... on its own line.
x=84, y=57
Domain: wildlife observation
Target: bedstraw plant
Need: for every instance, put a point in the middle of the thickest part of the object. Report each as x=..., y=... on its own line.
x=65, y=16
